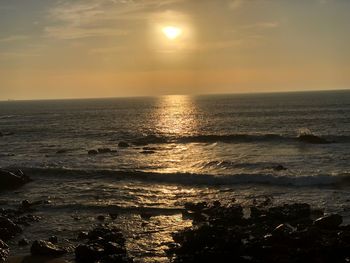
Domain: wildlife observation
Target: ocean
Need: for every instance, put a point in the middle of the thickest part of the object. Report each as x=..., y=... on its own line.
x=244, y=147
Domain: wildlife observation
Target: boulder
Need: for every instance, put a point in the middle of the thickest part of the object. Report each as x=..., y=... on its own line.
x=11, y=180
x=329, y=222
x=45, y=248
x=4, y=251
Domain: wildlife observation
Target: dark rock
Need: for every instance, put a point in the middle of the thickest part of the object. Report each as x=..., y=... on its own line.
x=279, y=168
x=10, y=180
x=310, y=138
x=277, y=234
x=290, y=212
x=104, y=150
x=88, y=253
x=26, y=220
x=329, y=222
x=4, y=251
x=92, y=152
x=104, y=244
x=61, y=151
x=101, y=217
x=113, y=215
x=23, y=242
x=123, y=144
x=282, y=230
x=26, y=205
x=45, y=248
x=8, y=229
x=83, y=235
x=114, y=248
x=53, y=239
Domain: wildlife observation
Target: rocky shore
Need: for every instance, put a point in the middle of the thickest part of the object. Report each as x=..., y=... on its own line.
x=219, y=233
x=288, y=233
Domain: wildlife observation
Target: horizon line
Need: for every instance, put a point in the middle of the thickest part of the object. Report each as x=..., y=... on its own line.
x=163, y=95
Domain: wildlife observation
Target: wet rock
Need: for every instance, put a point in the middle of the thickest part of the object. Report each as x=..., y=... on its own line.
x=25, y=205
x=45, y=248
x=53, y=239
x=11, y=180
x=88, y=253
x=111, y=248
x=104, y=150
x=4, y=251
x=329, y=222
x=26, y=220
x=276, y=234
x=290, y=212
x=101, y=217
x=113, y=215
x=83, y=235
x=123, y=144
x=104, y=244
x=61, y=151
x=310, y=138
x=23, y=242
x=282, y=230
x=279, y=168
x=8, y=229
x=92, y=152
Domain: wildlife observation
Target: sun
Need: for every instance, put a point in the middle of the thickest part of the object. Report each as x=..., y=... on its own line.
x=172, y=32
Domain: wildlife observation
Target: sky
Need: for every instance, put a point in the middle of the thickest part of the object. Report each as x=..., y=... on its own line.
x=109, y=48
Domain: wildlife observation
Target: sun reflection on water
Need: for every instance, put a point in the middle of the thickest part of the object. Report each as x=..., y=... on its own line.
x=175, y=116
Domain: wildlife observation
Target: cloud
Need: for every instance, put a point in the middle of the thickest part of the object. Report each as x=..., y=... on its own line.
x=235, y=4
x=96, y=18
x=271, y=24
x=13, y=38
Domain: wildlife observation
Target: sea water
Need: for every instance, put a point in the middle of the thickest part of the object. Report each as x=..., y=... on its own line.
x=242, y=148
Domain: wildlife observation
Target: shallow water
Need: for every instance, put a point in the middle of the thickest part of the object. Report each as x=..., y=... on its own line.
x=198, y=148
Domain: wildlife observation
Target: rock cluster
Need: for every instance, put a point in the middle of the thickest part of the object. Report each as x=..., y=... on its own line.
x=276, y=234
x=103, y=244
x=11, y=221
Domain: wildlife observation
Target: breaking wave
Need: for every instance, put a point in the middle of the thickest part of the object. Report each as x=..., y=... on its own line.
x=339, y=180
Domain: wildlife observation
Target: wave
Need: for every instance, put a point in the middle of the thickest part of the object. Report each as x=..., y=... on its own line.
x=192, y=179
x=237, y=138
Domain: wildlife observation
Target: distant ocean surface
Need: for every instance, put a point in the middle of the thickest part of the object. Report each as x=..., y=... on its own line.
x=181, y=148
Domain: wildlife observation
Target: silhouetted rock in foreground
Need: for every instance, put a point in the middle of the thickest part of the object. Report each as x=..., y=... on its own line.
x=104, y=244
x=46, y=248
x=276, y=234
x=11, y=180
